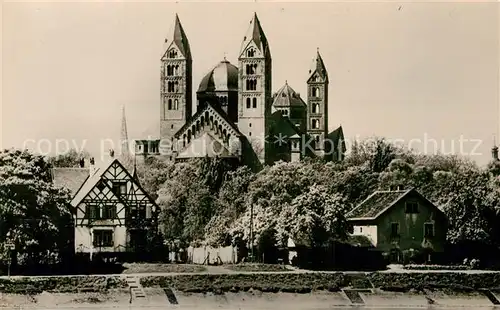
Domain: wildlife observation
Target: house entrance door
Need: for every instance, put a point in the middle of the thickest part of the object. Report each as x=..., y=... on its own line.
x=138, y=240
x=395, y=256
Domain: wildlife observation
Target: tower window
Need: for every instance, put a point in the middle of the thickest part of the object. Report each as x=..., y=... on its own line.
x=250, y=134
x=315, y=108
x=254, y=103
x=316, y=140
x=248, y=103
x=315, y=123
x=285, y=112
x=250, y=125
x=172, y=126
x=315, y=92
x=176, y=86
x=172, y=53
x=250, y=52
x=251, y=84
x=176, y=104
x=251, y=69
x=170, y=104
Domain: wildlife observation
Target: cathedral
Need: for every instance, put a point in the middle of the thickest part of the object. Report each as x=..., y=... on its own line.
x=238, y=117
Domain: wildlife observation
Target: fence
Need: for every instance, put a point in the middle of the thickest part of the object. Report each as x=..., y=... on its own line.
x=212, y=256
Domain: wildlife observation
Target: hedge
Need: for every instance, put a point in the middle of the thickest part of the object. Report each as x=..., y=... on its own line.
x=266, y=282
x=31, y=285
x=417, y=281
x=436, y=267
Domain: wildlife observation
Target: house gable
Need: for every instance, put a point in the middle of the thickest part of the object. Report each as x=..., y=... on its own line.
x=110, y=187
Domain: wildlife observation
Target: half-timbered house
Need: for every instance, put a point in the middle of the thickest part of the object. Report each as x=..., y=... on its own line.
x=113, y=214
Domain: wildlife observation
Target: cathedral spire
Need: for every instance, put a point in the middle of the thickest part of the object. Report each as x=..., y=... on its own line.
x=256, y=35
x=318, y=66
x=124, y=135
x=178, y=37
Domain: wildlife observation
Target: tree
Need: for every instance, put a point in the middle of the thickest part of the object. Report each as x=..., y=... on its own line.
x=314, y=218
x=35, y=213
x=71, y=159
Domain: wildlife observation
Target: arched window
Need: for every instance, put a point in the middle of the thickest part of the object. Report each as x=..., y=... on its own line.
x=254, y=103
x=251, y=84
x=317, y=142
x=250, y=52
x=248, y=102
x=170, y=87
x=315, y=92
x=176, y=104
x=315, y=124
x=172, y=53
x=169, y=70
x=315, y=108
x=176, y=87
x=170, y=104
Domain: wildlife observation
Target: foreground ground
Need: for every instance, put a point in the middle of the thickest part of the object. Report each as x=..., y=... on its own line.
x=253, y=286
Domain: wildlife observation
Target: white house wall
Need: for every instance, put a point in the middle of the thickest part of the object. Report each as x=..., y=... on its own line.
x=369, y=231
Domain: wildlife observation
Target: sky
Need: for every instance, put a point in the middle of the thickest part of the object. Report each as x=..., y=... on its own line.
x=423, y=74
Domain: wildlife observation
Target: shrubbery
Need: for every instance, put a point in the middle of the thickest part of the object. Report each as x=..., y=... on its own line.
x=60, y=284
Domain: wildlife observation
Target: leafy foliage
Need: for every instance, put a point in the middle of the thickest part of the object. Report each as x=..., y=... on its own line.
x=33, y=212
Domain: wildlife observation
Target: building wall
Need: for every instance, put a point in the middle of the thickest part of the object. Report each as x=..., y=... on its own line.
x=411, y=227
x=83, y=238
x=369, y=231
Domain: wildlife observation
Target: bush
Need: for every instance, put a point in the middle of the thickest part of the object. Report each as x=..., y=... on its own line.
x=290, y=282
x=60, y=284
x=455, y=280
x=435, y=267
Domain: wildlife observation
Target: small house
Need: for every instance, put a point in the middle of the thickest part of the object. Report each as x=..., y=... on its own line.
x=399, y=222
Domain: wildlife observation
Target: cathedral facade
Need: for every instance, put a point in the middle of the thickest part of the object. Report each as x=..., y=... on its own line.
x=237, y=115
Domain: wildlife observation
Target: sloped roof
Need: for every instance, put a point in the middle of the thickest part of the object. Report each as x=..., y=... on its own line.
x=376, y=203
x=337, y=136
x=318, y=66
x=91, y=181
x=283, y=125
x=223, y=77
x=287, y=97
x=199, y=113
x=179, y=38
x=70, y=178
x=256, y=34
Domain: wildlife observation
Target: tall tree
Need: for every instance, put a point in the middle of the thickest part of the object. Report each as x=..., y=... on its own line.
x=35, y=213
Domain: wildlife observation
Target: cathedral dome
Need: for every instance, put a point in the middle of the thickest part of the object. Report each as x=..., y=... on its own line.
x=223, y=77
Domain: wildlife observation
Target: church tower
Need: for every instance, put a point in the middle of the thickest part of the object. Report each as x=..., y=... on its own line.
x=254, y=88
x=176, y=82
x=317, y=105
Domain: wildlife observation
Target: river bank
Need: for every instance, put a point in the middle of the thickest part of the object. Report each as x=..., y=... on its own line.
x=293, y=290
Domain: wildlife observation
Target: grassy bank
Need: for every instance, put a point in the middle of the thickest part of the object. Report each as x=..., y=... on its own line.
x=285, y=282
x=265, y=282
x=256, y=267
x=37, y=285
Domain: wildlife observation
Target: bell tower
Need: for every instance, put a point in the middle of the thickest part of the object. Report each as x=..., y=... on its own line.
x=254, y=88
x=317, y=105
x=176, y=82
